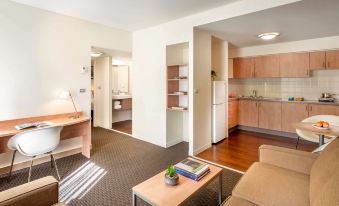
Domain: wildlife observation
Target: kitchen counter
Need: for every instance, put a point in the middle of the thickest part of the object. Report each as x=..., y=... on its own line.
x=230, y=99
x=336, y=103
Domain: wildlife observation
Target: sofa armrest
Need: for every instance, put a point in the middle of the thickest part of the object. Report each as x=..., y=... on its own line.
x=41, y=192
x=291, y=159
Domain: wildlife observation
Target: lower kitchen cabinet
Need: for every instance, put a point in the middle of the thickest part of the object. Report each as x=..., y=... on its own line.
x=270, y=115
x=248, y=113
x=321, y=109
x=233, y=110
x=292, y=112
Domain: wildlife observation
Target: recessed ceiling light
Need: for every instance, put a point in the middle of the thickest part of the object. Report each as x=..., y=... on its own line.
x=268, y=36
x=96, y=54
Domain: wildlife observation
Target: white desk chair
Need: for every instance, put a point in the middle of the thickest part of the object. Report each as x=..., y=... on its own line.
x=310, y=136
x=35, y=142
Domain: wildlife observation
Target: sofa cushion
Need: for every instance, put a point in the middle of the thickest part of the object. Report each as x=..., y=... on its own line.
x=324, y=178
x=265, y=184
x=236, y=201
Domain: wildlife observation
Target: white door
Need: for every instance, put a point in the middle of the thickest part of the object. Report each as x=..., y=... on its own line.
x=218, y=122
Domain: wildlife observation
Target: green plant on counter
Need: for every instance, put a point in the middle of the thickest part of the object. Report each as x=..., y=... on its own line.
x=213, y=75
x=171, y=171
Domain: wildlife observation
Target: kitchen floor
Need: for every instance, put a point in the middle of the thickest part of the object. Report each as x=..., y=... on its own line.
x=240, y=150
x=123, y=126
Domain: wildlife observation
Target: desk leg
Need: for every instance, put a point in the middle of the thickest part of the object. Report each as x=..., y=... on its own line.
x=134, y=199
x=86, y=140
x=220, y=188
x=321, y=139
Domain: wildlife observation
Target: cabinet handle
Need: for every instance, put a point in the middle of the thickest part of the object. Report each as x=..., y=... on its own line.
x=324, y=64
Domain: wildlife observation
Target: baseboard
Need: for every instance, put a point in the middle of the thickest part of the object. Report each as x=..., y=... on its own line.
x=173, y=142
x=203, y=148
x=267, y=131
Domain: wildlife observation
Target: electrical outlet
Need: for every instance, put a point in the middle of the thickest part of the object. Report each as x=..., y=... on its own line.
x=82, y=90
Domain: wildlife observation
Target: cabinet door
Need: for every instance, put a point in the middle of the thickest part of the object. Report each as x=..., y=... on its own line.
x=294, y=64
x=233, y=114
x=292, y=113
x=317, y=60
x=270, y=115
x=248, y=113
x=243, y=67
x=266, y=66
x=321, y=109
x=332, y=59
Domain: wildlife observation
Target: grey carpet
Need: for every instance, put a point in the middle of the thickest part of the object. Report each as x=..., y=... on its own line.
x=118, y=163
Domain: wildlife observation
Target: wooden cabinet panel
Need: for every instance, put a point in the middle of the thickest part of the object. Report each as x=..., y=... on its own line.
x=270, y=115
x=243, y=67
x=317, y=60
x=266, y=66
x=233, y=112
x=291, y=113
x=126, y=104
x=294, y=64
x=332, y=59
x=321, y=109
x=248, y=113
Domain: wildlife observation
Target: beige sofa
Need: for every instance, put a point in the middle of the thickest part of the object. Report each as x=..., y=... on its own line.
x=288, y=177
x=41, y=192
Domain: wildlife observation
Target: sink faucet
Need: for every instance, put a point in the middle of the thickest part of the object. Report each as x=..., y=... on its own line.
x=254, y=93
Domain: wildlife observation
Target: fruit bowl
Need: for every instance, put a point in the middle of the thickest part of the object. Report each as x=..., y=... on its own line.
x=321, y=125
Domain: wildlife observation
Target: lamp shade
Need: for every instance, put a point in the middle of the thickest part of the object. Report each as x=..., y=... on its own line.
x=65, y=95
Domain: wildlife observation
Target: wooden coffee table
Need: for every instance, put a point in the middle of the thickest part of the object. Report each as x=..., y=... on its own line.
x=154, y=191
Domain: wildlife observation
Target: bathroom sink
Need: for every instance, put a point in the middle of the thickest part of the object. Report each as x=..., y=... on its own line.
x=121, y=96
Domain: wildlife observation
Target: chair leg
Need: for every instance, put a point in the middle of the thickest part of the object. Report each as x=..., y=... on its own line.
x=55, y=165
x=52, y=164
x=30, y=170
x=296, y=146
x=11, y=168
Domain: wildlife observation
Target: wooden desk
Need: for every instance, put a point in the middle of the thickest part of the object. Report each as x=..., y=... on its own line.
x=155, y=192
x=72, y=128
x=323, y=133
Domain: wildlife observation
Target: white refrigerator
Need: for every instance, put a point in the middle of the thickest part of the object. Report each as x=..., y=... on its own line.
x=218, y=111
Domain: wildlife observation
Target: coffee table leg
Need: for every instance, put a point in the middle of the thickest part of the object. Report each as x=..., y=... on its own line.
x=134, y=199
x=220, y=188
x=321, y=139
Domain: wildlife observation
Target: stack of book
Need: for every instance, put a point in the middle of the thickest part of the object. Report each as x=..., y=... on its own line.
x=192, y=169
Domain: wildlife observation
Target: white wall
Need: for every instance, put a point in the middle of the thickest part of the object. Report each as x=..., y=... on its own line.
x=202, y=95
x=103, y=92
x=42, y=54
x=149, y=67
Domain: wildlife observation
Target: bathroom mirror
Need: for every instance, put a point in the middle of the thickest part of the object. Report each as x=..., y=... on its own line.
x=120, y=79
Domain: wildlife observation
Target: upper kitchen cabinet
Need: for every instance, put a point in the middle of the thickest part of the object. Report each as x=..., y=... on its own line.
x=332, y=59
x=243, y=67
x=317, y=60
x=294, y=64
x=266, y=66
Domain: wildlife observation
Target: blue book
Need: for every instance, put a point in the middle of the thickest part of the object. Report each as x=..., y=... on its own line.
x=190, y=175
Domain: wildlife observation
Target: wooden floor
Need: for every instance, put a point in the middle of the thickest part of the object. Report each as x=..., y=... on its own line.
x=240, y=150
x=123, y=126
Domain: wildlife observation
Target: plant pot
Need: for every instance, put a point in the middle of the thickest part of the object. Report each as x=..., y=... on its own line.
x=171, y=180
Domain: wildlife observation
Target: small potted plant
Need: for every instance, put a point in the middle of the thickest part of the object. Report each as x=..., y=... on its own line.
x=171, y=177
x=213, y=75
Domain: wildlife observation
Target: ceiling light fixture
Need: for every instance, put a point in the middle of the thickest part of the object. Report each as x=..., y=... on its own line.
x=96, y=54
x=268, y=36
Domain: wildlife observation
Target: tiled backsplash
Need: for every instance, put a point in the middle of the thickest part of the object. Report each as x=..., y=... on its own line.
x=309, y=88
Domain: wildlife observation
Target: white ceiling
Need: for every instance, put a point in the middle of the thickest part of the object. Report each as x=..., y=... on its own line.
x=127, y=14
x=307, y=19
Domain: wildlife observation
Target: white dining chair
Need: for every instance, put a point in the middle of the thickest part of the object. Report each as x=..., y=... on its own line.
x=310, y=136
x=35, y=142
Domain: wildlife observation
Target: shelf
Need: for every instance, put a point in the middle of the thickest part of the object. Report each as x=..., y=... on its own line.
x=178, y=110
x=177, y=79
x=177, y=94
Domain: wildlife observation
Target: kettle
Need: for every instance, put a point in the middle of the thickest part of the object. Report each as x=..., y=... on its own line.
x=326, y=95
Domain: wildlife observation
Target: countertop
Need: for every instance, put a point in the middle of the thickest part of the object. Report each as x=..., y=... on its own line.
x=336, y=103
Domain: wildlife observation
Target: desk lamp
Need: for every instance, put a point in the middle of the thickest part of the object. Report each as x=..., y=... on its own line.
x=66, y=95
